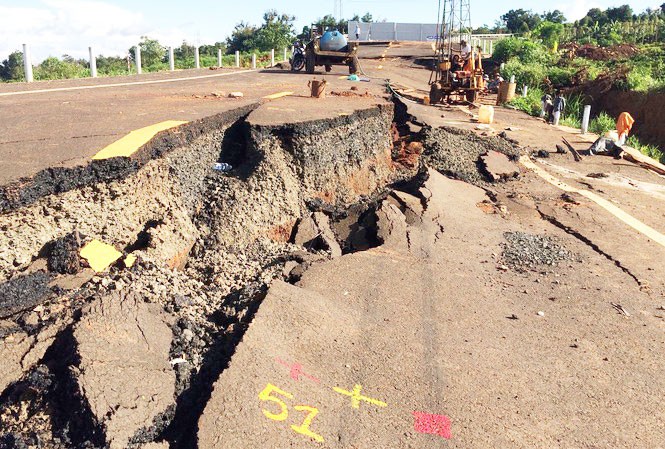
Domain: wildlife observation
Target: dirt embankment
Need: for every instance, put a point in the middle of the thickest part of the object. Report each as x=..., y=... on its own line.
x=645, y=107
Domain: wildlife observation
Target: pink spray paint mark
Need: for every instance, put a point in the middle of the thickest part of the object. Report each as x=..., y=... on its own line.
x=296, y=371
x=432, y=424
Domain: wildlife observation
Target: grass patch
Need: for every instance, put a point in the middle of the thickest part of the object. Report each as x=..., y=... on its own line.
x=650, y=150
x=530, y=104
x=602, y=124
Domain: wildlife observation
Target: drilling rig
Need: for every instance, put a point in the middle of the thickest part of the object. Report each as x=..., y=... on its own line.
x=452, y=76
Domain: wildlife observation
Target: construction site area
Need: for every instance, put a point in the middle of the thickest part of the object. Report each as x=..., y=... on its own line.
x=282, y=258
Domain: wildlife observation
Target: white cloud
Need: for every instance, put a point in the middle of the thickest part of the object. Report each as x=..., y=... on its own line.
x=577, y=9
x=60, y=27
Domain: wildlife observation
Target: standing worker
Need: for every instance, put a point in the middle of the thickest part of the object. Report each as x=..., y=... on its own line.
x=357, y=31
x=546, y=102
x=465, y=53
x=624, y=125
x=559, y=106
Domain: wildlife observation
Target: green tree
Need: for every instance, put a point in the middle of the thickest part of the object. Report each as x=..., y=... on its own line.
x=482, y=30
x=242, y=38
x=185, y=51
x=152, y=52
x=555, y=16
x=11, y=68
x=53, y=68
x=211, y=50
x=622, y=13
x=520, y=21
x=276, y=31
x=367, y=18
x=550, y=33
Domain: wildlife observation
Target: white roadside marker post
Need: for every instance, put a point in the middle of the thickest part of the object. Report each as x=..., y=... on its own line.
x=27, y=64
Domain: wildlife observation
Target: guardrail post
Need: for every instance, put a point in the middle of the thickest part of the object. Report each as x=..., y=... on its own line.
x=285, y=55
x=585, y=118
x=197, y=59
x=93, y=63
x=272, y=58
x=525, y=90
x=512, y=79
x=219, y=57
x=171, y=60
x=137, y=59
x=237, y=58
x=253, y=60
x=491, y=48
x=27, y=64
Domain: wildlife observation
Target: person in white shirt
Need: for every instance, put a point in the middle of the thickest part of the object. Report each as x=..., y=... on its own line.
x=357, y=31
x=465, y=50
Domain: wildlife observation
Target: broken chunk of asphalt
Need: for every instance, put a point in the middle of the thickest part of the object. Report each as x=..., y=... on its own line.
x=123, y=373
x=314, y=233
x=498, y=167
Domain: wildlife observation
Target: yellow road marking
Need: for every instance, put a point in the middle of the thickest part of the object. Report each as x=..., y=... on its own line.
x=278, y=95
x=128, y=145
x=343, y=77
x=631, y=221
x=272, y=108
x=100, y=255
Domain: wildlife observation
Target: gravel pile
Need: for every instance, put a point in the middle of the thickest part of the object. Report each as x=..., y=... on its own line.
x=525, y=252
x=456, y=152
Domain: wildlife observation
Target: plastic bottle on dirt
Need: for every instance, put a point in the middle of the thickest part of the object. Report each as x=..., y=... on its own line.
x=486, y=114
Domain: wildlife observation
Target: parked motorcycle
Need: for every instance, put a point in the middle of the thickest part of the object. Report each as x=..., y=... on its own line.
x=297, y=60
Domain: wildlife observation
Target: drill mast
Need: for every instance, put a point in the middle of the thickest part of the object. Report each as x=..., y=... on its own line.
x=454, y=24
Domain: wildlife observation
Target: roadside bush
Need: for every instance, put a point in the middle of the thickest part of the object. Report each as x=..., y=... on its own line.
x=650, y=150
x=560, y=76
x=639, y=79
x=530, y=104
x=53, y=68
x=531, y=75
x=601, y=124
x=514, y=47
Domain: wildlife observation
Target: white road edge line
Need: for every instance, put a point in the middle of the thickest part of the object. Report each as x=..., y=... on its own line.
x=619, y=213
x=134, y=83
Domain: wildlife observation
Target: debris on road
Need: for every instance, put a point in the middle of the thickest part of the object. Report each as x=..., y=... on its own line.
x=222, y=166
x=456, y=153
x=619, y=308
x=574, y=152
x=525, y=252
x=236, y=95
x=498, y=166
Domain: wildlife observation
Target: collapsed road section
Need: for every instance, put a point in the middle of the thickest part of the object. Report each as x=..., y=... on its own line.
x=314, y=272
x=125, y=289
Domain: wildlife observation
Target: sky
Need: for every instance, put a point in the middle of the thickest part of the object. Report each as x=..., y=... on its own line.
x=57, y=27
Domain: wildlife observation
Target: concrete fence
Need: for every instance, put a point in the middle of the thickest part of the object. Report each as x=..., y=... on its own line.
x=416, y=32
x=27, y=61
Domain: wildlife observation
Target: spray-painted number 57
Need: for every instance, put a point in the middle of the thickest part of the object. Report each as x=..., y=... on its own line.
x=280, y=411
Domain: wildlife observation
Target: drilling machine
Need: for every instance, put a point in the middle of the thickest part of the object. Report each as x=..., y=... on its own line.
x=453, y=78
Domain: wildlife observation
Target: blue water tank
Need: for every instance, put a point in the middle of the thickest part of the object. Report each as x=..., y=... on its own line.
x=333, y=41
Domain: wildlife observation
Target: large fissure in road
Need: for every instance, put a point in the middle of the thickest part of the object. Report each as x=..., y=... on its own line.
x=129, y=356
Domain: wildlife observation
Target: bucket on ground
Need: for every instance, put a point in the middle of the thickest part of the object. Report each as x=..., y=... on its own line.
x=318, y=88
x=506, y=92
